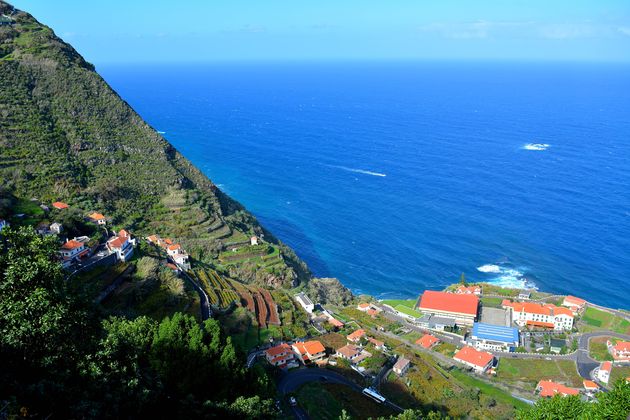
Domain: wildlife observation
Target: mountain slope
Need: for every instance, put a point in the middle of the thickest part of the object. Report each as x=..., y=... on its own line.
x=66, y=135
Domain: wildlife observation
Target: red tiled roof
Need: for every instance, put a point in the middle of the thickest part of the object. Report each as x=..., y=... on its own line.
x=171, y=266
x=364, y=305
x=427, y=341
x=377, y=343
x=449, y=302
x=349, y=351
x=606, y=366
x=356, y=335
x=622, y=346
x=335, y=322
x=152, y=238
x=117, y=242
x=401, y=363
x=279, y=349
x=72, y=244
x=96, y=216
x=549, y=389
x=174, y=247
x=468, y=289
x=372, y=312
x=589, y=384
x=557, y=310
x=60, y=205
x=123, y=233
x=537, y=308
x=572, y=300
x=473, y=356
x=541, y=324
x=309, y=347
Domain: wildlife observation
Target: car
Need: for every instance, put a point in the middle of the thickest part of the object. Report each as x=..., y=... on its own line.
x=293, y=401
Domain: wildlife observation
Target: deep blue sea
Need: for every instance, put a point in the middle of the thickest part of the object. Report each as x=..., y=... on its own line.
x=396, y=177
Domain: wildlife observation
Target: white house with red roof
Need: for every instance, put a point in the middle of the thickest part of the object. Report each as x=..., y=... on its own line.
x=281, y=356
x=356, y=336
x=309, y=351
x=590, y=386
x=73, y=250
x=97, y=218
x=619, y=351
x=181, y=260
x=574, y=303
x=480, y=361
x=468, y=290
x=602, y=373
x=122, y=245
x=253, y=240
x=547, y=389
x=173, y=249
x=540, y=315
x=462, y=308
x=427, y=341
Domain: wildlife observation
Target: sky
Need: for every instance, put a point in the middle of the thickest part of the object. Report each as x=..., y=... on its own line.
x=150, y=31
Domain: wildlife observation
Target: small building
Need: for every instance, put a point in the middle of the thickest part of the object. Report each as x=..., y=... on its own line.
x=153, y=239
x=181, y=260
x=427, y=341
x=335, y=322
x=556, y=345
x=547, y=389
x=173, y=249
x=602, y=373
x=72, y=250
x=619, y=351
x=348, y=352
x=305, y=302
x=590, y=386
x=574, y=303
x=468, y=290
x=281, y=356
x=97, y=218
x=479, y=361
x=363, y=307
x=462, y=308
x=253, y=240
x=524, y=295
x=494, y=337
x=122, y=245
x=60, y=205
x=401, y=366
x=356, y=336
x=378, y=344
x=3, y=224
x=437, y=323
x=309, y=351
x=56, y=228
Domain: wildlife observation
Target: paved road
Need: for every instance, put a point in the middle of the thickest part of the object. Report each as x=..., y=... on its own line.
x=583, y=361
x=206, y=312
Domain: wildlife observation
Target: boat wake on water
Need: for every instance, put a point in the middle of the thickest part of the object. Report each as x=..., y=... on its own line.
x=536, y=146
x=357, y=171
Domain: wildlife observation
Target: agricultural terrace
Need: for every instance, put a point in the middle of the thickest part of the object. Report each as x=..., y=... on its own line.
x=219, y=291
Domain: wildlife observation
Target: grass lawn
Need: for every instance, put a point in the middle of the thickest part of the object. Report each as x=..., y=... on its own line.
x=333, y=340
x=598, y=349
x=412, y=336
x=408, y=311
x=325, y=401
x=410, y=303
x=617, y=373
x=600, y=320
x=447, y=349
x=491, y=302
x=531, y=371
x=496, y=393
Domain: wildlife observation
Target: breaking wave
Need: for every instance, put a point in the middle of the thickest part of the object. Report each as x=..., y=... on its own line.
x=536, y=146
x=507, y=276
x=489, y=268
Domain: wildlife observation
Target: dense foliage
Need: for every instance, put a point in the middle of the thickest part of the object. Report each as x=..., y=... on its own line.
x=59, y=357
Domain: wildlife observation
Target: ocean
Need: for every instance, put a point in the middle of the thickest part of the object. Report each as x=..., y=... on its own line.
x=398, y=177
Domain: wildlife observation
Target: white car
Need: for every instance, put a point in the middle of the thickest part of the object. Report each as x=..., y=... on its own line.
x=293, y=401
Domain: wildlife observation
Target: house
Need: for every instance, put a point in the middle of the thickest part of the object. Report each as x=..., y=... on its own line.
x=549, y=389
x=602, y=373
x=281, y=356
x=6, y=20
x=619, y=351
x=97, y=218
x=378, y=344
x=335, y=322
x=438, y=323
x=305, y=302
x=3, y=224
x=401, y=366
x=122, y=245
x=468, y=290
x=540, y=315
x=60, y=205
x=373, y=312
x=574, y=303
x=494, y=337
x=73, y=250
x=363, y=307
x=181, y=260
x=356, y=336
x=348, y=352
x=590, y=386
x=153, y=239
x=427, y=341
x=524, y=295
x=309, y=351
x=173, y=249
x=461, y=308
x=479, y=361
x=56, y=228
x=556, y=345
x=253, y=240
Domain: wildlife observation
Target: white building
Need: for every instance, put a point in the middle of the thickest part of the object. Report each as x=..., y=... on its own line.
x=122, y=245
x=602, y=373
x=538, y=315
x=181, y=260
x=305, y=302
x=253, y=240
x=401, y=366
x=56, y=228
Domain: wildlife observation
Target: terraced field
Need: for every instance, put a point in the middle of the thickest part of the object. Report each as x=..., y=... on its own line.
x=219, y=291
x=260, y=303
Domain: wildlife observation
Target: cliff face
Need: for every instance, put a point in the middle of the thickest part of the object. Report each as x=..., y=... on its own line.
x=66, y=135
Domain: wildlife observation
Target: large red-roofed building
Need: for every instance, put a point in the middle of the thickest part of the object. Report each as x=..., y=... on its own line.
x=480, y=361
x=461, y=307
x=540, y=315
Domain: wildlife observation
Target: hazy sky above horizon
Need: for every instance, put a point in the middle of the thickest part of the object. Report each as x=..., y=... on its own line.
x=198, y=30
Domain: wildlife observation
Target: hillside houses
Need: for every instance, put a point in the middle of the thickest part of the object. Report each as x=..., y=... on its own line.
x=122, y=245
x=468, y=290
x=548, y=389
x=173, y=250
x=281, y=356
x=309, y=351
x=60, y=205
x=602, y=373
x=540, y=315
x=619, y=351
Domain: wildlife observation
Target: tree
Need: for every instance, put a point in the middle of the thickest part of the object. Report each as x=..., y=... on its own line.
x=462, y=279
x=344, y=415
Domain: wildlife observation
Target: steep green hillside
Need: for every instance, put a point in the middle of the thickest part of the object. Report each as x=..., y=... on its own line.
x=66, y=135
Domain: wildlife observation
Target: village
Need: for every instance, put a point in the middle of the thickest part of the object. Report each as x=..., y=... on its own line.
x=522, y=344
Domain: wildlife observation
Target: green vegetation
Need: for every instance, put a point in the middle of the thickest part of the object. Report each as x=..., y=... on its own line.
x=614, y=405
x=596, y=319
x=598, y=349
x=490, y=390
x=528, y=372
x=409, y=303
x=408, y=311
x=491, y=302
